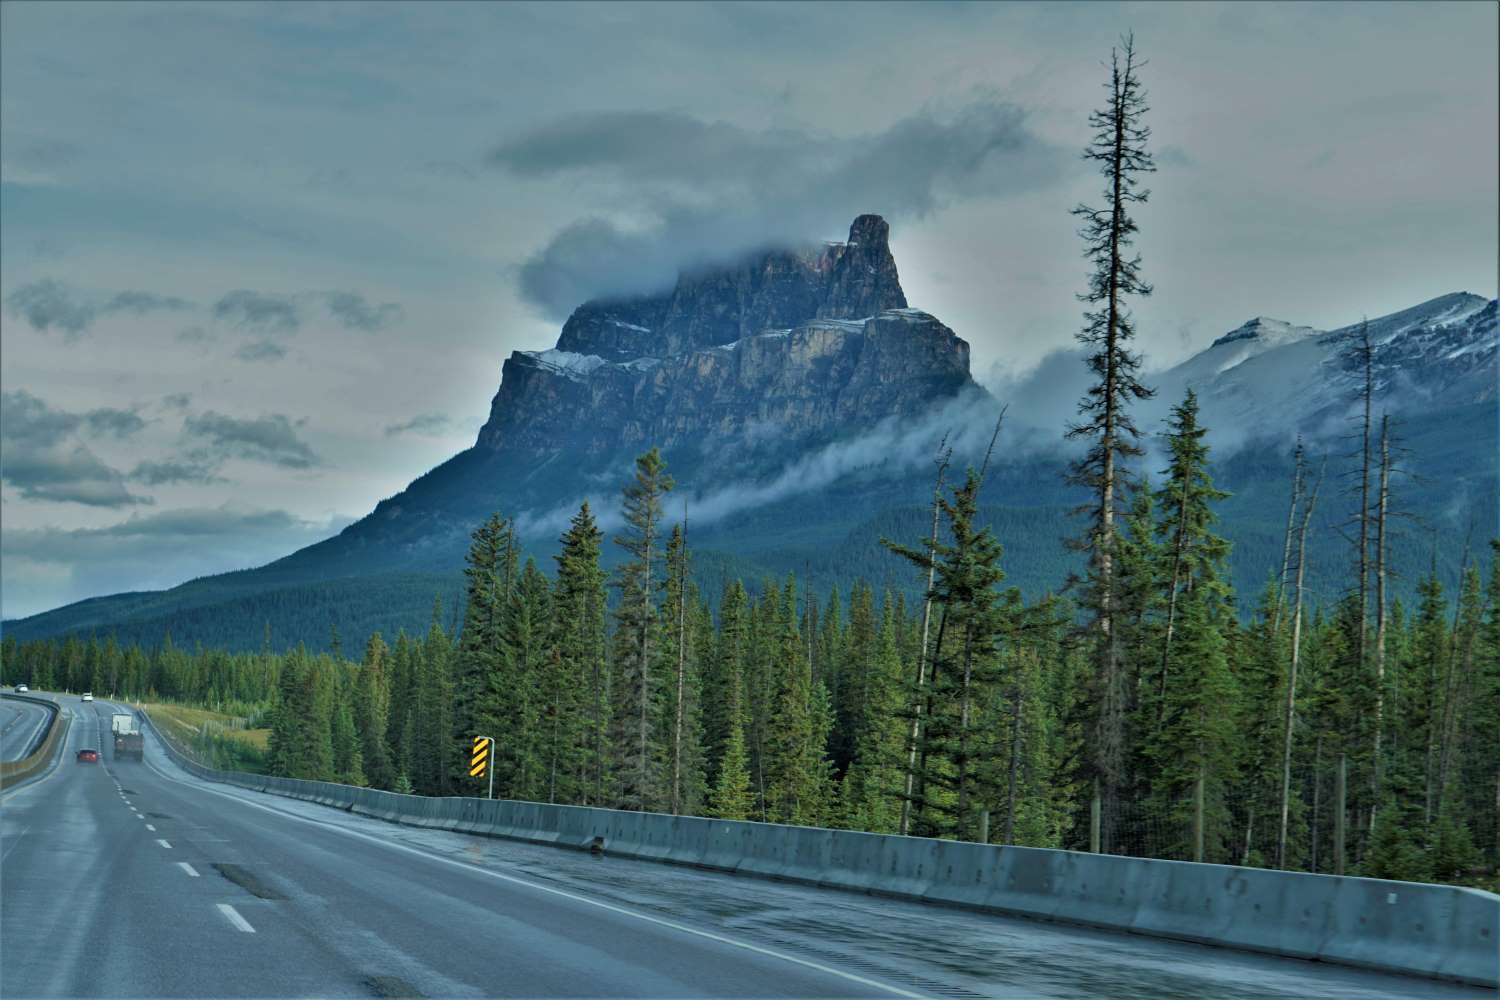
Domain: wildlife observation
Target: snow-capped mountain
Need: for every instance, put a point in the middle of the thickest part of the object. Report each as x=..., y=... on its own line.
x=1268, y=374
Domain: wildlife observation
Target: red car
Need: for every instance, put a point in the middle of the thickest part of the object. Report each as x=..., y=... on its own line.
x=88, y=756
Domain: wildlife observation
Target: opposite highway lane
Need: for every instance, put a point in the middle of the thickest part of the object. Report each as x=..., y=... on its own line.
x=131, y=880
x=22, y=724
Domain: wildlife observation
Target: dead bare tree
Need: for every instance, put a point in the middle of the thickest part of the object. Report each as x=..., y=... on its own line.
x=1291, y=685
x=1286, y=545
x=944, y=455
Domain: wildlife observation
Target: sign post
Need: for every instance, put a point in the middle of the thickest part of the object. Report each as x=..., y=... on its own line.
x=480, y=764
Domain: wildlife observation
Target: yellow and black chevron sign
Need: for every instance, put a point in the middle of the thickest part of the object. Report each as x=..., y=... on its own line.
x=479, y=762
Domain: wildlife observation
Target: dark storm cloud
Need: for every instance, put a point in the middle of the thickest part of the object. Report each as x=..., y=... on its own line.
x=258, y=311
x=422, y=423
x=351, y=309
x=47, y=303
x=716, y=190
x=261, y=350
x=272, y=439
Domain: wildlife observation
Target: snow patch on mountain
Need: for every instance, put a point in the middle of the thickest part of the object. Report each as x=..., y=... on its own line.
x=566, y=363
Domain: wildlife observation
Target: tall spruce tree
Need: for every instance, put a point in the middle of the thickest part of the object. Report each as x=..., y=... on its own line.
x=578, y=605
x=371, y=707
x=638, y=748
x=1119, y=147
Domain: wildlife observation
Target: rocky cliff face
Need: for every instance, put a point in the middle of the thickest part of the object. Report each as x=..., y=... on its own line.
x=803, y=343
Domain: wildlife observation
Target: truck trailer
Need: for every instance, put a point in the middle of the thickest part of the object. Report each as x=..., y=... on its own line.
x=129, y=742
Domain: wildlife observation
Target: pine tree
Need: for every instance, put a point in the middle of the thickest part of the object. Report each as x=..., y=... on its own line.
x=1193, y=554
x=724, y=680
x=731, y=798
x=371, y=708
x=516, y=703
x=477, y=659
x=794, y=771
x=1119, y=147
x=682, y=722
x=638, y=750
x=579, y=706
x=965, y=662
x=434, y=753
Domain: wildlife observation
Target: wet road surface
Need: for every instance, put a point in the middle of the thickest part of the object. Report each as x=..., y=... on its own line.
x=125, y=879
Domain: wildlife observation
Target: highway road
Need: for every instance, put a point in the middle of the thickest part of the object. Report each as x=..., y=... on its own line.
x=138, y=880
x=22, y=725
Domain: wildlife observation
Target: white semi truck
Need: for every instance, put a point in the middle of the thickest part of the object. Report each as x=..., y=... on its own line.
x=128, y=739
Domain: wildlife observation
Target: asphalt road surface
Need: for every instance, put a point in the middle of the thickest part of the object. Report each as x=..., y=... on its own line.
x=22, y=725
x=137, y=880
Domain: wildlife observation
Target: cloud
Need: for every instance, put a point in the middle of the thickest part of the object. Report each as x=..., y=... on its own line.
x=422, y=423
x=116, y=423
x=893, y=446
x=67, y=474
x=29, y=420
x=47, y=303
x=272, y=439
x=141, y=303
x=713, y=190
x=194, y=335
x=261, y=350
x=351, y=309
x=47, y=567
x=177, y=400
x=196, y=468
x=44, y=460
x=257, y=311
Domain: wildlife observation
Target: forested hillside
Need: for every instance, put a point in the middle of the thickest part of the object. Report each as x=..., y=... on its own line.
x=789, y=706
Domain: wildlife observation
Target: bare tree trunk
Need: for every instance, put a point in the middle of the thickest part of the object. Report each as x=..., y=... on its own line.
x=1286, y=545
x=1291, y=686
x=1166, y=648
x=1367, y=359
x=1383, y=504
x=915, y=736
x=681, y=668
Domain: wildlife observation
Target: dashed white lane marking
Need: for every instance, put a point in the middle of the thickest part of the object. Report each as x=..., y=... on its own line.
x=234, y=917
x=164, y=843
x=187, y=868
x=150, y=827
x=600, y=904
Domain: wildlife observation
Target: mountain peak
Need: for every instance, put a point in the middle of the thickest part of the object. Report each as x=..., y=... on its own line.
x=1266, y=331
x=771, y=290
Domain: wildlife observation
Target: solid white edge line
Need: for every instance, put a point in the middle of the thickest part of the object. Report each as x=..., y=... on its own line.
x=188, y=868
x=239, y=922
x=475, y=869
x=164, y=844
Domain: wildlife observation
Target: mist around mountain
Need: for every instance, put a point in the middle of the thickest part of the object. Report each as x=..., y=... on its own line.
x=799, y=400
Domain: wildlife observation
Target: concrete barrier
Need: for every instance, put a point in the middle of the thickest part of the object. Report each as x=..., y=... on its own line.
x=1436, y=931
x=14, y=772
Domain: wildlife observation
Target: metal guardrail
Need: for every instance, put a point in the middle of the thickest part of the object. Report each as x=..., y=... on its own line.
x=14, y=772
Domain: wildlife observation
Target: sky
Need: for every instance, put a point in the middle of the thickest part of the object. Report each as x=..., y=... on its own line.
x=260, y=264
